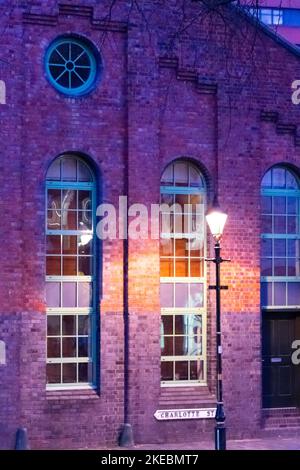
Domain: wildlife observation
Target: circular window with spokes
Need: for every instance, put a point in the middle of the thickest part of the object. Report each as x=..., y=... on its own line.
x=72, y=66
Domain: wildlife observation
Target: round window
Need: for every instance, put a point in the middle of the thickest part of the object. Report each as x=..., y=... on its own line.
x=71, y=66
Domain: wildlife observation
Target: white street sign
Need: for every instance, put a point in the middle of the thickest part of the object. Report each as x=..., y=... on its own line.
x=197, y=413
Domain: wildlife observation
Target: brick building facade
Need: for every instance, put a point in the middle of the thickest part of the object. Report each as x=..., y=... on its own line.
x=215, y=98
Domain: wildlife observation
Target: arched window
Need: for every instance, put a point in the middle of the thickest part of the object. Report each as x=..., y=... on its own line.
x=280, y=270
x=70, y=273
x=182, y=271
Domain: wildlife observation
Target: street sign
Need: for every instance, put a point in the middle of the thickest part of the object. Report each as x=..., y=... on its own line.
x=194, y=413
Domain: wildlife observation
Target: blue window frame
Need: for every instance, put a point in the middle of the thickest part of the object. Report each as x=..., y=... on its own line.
x=70, y=274
x=280, y=239
x=72, y=66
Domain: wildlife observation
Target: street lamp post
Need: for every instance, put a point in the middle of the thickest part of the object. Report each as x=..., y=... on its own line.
x=216, y=220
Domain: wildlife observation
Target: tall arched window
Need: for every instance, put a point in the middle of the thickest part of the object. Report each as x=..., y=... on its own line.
x=182, y=271
x=70, y=273
x=280, y=269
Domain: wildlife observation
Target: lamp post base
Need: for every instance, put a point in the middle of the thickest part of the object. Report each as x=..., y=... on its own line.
x=220, y=437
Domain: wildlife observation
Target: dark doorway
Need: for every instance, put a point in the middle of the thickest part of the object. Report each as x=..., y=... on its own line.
x=280, y=377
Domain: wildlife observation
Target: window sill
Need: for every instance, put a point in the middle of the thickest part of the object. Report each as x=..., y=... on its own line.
x=76, y=394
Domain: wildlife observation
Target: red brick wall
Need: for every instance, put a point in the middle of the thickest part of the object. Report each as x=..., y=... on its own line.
x=206, y=107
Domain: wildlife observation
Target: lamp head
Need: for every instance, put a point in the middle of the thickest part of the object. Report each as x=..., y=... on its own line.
x=216, y=220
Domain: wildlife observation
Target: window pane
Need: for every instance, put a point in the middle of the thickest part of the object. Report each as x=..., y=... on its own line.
x=166, y=268
x=266, y=294
x=85, y=200
x=266, y=267
x=166, y=247
x=69, y=199
x=53, y=294
x=266, y=205
x=83, y=347
x=54, y=220
x=182, y=200
x=266, y=246
x=196, y=268
x=181, y=174
x=68, y=325
x=181, y=247
x=291, y=267
x=196, y=370
x=267, y=181
x=167, y=346
x=84, y=266
x=196, y=295
x=69, y=169
x=266, y=224
x=69, y=373
x=69, y=220
x=53, y=373
x=69, y=245
x=167, y=199
x=279, y=247
x=166, y=295
x=69, y=294
x=85, y=242
x=181, y=370
x=291, y=182
x=195, y=177
x=167, y=370
x=69, y=266
x=181, y=267
x=294, y=293
x=181, y=295
x=84, y=220
x=167, y=324
x=69, y=347
x=279, y=293
x=83, y=324
x=53, y=266
x=278, y=178
x=53, y=325
x=82, y=372
x=292, y=224
x=84, y=294
x=53, y=347
x=279, y=267
x=53, y=172
x=292, y=205
x=181, y=346
x=84, y=173
x=181, y=324
x=291, y=248
x=279, y=224
x=53, y=244
x=279, y=205
x=54, y=199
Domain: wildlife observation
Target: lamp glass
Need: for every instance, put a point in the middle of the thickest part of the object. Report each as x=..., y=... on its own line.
x=216, y=220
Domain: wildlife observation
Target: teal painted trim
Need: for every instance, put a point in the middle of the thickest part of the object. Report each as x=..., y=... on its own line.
x=71, y=185
x=280, y=279
x=281, y=236
x=281, y=192
x=181, y=190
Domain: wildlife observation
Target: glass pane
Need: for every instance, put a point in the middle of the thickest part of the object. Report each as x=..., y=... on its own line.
x=166, y=268
x=279, y=224
x=53, y=373
x=182, y=200
x=266, y=181
x=266, y=205
x=291, y=267
x=266, y=294
x=69, y=347
x=279, y=293
x=167, y=324
x=85, y=244
x=196, y=246
x=181, y=346
x=194, y=345
x=181, y=267
x=85, y=200
x=69, y=220
x=181, y=370
x=294, y=293
x=196, y=370
x=69, y=169
x=280, y=247
x=278, y=175
x=181, y=174
x=266, y=247
x=279, y=205
x=291, y=182
x=82, y=372
x=166, y=345
x=69, y=325
x=196, y=268
x=181, y=247
x=53, y=347
x=69, y=294
x=69, y=373
x=166, y=295
x=54, y=201
x=69, y=199
x=279, y=267
x=84, y=173
x=83, y=347
x=292, y=224
x=167, y=370
x=69, y=245
x=292, y=205
x=195, y=177
x=196, y=295
x=195, y=325
x=181, y=295
x=84, y=266
x=266, y=267
x=53, y=266
x=166, y=246
x=182, y=324
x=53, y=244
x=53, y=172
x=69, y=266
x=84, y=294
x=53, y=294
x=167, y=199
x=291, y=248
x=53, y=325
x=84, y=220
x=54, y=220
x=83, y=324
